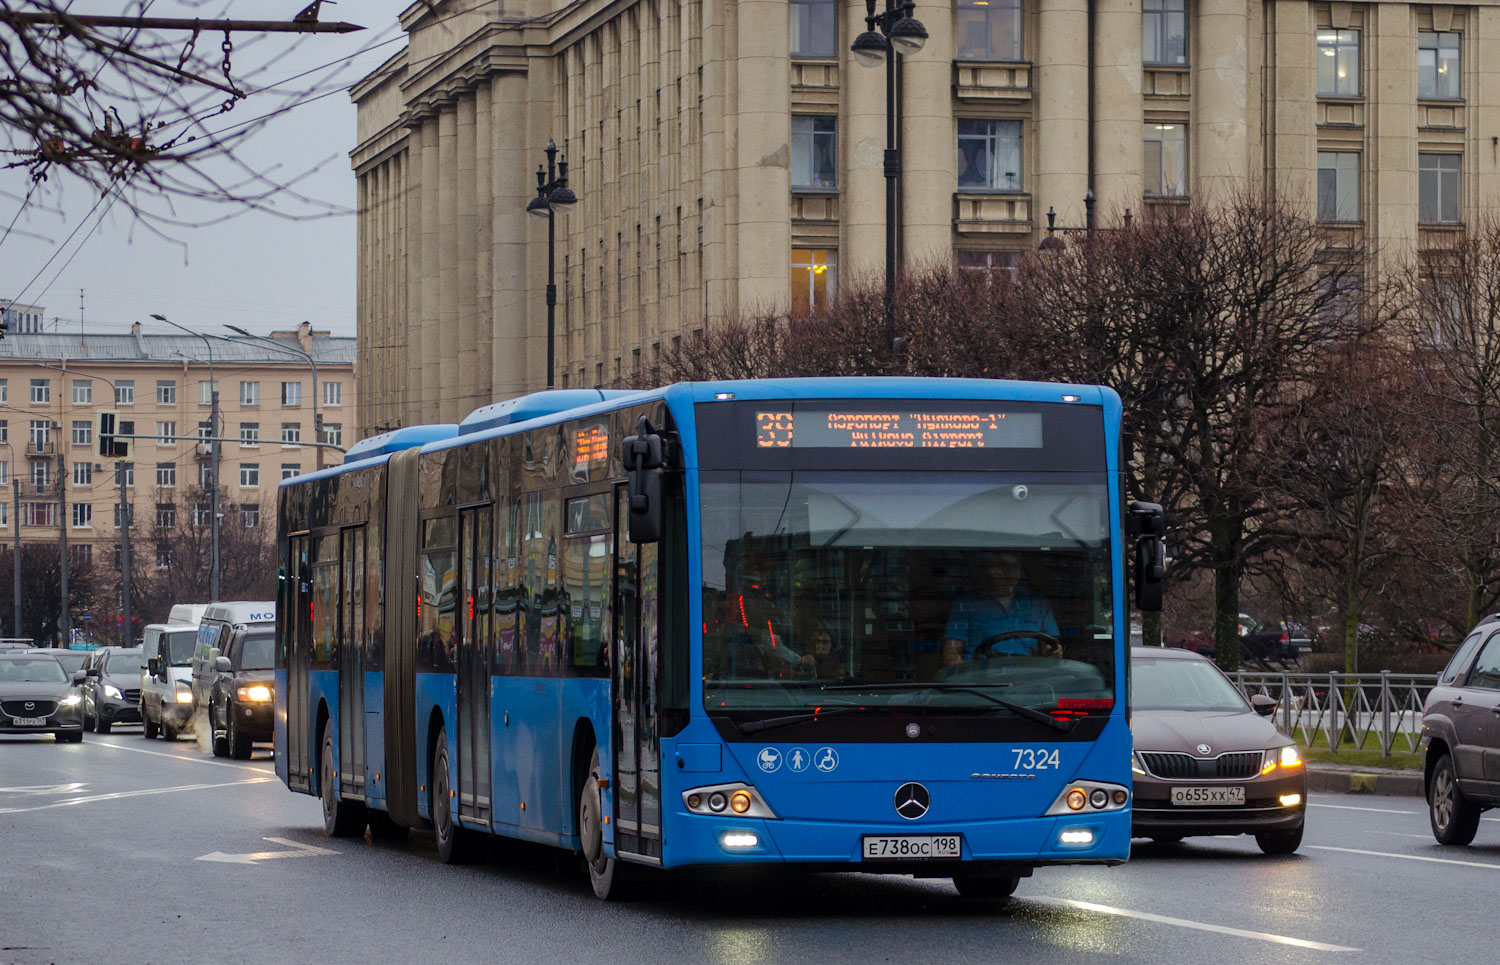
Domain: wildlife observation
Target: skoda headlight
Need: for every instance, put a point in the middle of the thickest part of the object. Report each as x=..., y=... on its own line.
x=1290, y=757
x=1136, y=767
x=257, y=693
x=72, y=700
x=110, y=690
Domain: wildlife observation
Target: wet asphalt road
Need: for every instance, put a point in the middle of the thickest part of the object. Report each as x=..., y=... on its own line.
x=101, y=847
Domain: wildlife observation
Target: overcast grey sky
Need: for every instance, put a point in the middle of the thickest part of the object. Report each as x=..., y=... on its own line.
x=256, y=270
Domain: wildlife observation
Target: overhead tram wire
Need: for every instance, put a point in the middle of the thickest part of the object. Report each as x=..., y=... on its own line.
x=26, y=201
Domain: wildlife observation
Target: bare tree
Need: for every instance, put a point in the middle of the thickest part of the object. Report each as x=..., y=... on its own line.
x=173, y=559
x=41, y=590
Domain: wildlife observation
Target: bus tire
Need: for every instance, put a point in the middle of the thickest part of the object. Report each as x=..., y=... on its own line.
x=974, y=888
x=455, y=843
x=341, y=819
x=606, y=875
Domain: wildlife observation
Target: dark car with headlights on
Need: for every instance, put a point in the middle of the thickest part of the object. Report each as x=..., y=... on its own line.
x=241, y=692
x=1461, y=737
x=36, y=697
x=1207, y=761
x=111, y=689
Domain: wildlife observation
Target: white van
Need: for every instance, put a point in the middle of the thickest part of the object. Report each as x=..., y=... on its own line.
x=187, y=614
x=221, y=621
x=167, y=678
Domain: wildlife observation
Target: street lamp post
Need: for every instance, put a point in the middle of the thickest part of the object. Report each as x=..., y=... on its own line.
x=551, y=190
x=898, y=33
x=317, y=422
x=213, y=492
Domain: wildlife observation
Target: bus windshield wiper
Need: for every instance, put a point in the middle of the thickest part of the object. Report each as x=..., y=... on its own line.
x=771, y=723
x=1020, y=710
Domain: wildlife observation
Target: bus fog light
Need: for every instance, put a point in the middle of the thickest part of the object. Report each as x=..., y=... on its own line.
x=1099, y=797
x=739, y=802
x=695, y=801
x=716, y=801
x=1077, y=836
x=1121, y=797
x=739, y=840
x=1077, y=798
x=1290, y=800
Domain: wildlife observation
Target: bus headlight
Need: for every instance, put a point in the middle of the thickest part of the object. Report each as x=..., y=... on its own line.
x=739, y=799
x=1090, y=797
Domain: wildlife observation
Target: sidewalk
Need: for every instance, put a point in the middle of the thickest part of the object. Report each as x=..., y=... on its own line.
x=1344, y=779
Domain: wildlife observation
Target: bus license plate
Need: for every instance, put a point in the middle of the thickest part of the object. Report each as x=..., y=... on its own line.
x=905, y=847
x=29, y=721
x=1207, y=796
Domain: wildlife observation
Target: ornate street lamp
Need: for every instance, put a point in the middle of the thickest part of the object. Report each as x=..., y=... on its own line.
x=551, y=191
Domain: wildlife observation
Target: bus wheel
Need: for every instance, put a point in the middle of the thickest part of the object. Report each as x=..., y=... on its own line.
x=986, y=889
x=455, y=844
x=605, y=873
x=341, y=819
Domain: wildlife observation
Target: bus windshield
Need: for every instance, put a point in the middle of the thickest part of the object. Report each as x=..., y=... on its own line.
x=830, y=587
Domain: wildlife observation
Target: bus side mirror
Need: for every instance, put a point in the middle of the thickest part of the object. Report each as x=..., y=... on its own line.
x=1147, y=523
x=643, y=465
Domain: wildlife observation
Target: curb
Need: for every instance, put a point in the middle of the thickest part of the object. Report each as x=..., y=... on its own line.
x=1352, y=780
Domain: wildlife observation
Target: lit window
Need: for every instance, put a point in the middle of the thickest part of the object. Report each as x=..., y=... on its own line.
x=814, y=278
x=1437, y=64
x=1166, y=160
x=1338, y=63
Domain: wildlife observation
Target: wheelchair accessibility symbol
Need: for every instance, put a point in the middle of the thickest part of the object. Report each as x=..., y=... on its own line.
x=826, y=759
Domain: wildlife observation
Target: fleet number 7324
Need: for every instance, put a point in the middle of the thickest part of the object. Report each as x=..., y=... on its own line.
x=1033, y=759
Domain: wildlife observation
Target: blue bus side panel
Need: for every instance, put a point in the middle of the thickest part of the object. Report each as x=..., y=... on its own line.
x=375, y=739
x=322, y=689
x=436, y=692
x=278, y=725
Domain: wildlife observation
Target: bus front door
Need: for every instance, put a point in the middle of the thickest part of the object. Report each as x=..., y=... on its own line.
x=473, y=665
x=351, y=670
x=637, y=756
x=296, y=626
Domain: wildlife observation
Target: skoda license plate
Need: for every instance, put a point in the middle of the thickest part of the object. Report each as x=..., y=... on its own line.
x=29, y=721
x=899, y=847
x=1208, y=796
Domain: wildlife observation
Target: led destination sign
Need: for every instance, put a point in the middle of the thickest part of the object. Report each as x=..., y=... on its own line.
x=897, y=427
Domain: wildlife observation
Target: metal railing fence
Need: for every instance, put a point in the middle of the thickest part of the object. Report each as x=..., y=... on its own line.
x=1354, y=710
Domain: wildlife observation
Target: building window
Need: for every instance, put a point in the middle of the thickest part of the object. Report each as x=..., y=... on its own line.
x=1338, y=186
x=83, y=474
x=4, y=514
x=250, y=516
x=291, y=433
x=166, y=391
x=41, y=391
x=83, y=515
x=333, y=392
x=83, y=432
x=249, y=433
x=249, y=393
x=205, y=477
x=814, y=155
x=206, y=392
x=1437, y=188
x=291, y=393
x=1164, y=32
x=5, y=472
x=814, y=278
x=41, y=434
x=166, y=475
x=39, y=514
x=4, y=390
x=989, y=30
x=166, y=433
x=249, y=474
x=288, y=470
x=4, y=430
x=41, y=475
x=129, y=516
x=202, y=513
x=815, y=30
x=83, y=392
x=125, y=392
x=1001, y=265
x=166, y=515
x=127, y=470
x=333, y=433
x=1338, y=63
x=1437, y=64
x=1166, y=160
x=989, y=155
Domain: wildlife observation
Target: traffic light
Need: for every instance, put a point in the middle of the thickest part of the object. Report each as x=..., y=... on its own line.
x=108, y=429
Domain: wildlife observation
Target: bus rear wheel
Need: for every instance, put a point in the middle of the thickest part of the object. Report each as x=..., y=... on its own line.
x=341, y=819
x=605, y=873
x=976, y=888
x=455, y=844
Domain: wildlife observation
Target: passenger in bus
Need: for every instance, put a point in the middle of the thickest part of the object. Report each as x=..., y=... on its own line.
x=1003, y=602
x=823, y=660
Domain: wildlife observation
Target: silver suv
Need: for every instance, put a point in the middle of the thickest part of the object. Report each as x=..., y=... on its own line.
x=1461, y=736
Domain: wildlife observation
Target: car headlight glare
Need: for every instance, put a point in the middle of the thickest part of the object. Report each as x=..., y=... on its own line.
x=110, y=690
x=1290, y=757
x=184, y=697
x=72, y=700
x=256, y=693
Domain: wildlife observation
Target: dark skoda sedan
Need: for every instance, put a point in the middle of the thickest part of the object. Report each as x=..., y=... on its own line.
x=36, y=697
x=1207, y=761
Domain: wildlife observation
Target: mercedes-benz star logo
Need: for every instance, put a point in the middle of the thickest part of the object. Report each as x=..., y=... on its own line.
x=1205, y=750
x=912, y=800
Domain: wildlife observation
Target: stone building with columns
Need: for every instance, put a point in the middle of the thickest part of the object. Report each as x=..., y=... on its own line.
x=727, y=156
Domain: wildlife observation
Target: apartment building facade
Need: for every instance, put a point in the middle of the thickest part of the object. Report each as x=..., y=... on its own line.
x=53, y=386
x=728, y=157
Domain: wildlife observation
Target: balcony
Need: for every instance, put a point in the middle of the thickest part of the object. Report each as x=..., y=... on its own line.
x=41, y=448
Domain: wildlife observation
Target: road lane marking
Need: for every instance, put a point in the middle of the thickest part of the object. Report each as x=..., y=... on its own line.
x=1197, y=925
x=299, y=850
x=1407, y=857
x=1402, y=834
x=73, y=788
x=124, y=794
x=1346, y=807
x=177, y=757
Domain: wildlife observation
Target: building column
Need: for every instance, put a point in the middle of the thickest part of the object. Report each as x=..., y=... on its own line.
x=763, y=156
x=468, y=391
x=929, y=147
x=861, y=155
x=1291, y=105
x=1218, y=164
x=1118, y=109
x=425, y=325
x=484, y=241
x=1388, y=80
x=1062, y=135
x=438, y=407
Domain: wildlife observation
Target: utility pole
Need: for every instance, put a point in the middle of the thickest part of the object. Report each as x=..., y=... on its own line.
x=65, y=619
x=125, y=521
x=15, y=552
x=213, y=492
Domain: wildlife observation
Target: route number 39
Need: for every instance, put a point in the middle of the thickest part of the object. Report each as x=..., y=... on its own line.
x=1031, y=759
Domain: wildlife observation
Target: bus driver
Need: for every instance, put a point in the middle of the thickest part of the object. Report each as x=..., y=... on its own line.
x=1009, y=605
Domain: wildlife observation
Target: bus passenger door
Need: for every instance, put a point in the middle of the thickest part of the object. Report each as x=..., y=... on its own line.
x=637, y=760
x=351, y=667
x=473, y=665
x=297, y=625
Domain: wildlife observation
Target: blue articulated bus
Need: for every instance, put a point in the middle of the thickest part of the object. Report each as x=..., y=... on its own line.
x=870, y=624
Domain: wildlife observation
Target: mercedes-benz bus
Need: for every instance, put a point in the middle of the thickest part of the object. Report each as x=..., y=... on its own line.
x=864, y=624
